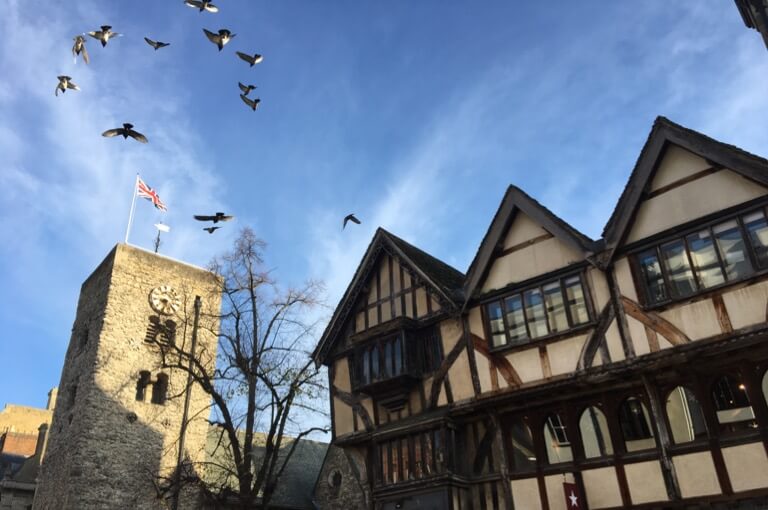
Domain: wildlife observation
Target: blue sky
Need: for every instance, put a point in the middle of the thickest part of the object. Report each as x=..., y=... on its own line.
x=414, y=115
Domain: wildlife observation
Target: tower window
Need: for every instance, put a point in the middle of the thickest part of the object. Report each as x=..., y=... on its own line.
x=141, y=385
x=160, y=389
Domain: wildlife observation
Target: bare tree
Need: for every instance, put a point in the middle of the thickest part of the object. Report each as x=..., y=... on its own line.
x=266, y=392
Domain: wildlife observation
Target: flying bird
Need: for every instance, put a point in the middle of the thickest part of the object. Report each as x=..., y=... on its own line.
x=203, y=5
x=125, y=132
x=219, y=216
x=246, y=88
x=156, y=44
x=220, y=39
x=79, y=48
x=348, y=218
x=65, y=82
x=253, y=103
x=104, y=35
x=255, y=59
x=211, y=230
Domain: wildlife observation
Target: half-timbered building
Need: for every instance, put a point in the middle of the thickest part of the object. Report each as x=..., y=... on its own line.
x=562, y=372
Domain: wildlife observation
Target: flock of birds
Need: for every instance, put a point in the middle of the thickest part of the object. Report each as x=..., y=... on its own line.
x=220, y=39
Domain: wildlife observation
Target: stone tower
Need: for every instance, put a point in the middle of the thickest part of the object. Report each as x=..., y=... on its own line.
x=119, y=414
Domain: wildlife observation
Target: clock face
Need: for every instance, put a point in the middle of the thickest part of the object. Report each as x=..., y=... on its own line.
x=164, y=300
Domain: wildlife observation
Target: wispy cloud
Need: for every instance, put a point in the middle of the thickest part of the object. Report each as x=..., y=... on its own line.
x=74, y=194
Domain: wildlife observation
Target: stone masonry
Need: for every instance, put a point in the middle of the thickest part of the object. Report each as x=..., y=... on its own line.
x=106, y=447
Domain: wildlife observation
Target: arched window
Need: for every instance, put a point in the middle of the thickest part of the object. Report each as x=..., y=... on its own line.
x=686, y=420
x=594, y=433
x=556, y=439
x=765, y=386
x=141, y=385
x=160, y=389
x=734, y=411
x=523, y=454
x=636, y=425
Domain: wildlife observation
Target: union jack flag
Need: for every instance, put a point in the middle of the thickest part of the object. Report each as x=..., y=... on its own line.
x=145, y=191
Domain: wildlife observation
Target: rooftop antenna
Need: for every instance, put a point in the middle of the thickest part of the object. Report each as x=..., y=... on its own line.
x=161, y=227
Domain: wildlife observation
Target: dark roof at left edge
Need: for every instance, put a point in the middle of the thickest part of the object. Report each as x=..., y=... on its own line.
x=444, y=279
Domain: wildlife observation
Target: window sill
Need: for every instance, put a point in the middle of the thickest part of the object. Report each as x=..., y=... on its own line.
x=543, y=340
x=707, y=293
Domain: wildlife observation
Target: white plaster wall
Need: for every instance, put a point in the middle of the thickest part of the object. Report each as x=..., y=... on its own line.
x=613, y=340
x=697, y=320
x=599, y=285
x=747, y=306
x=624, y=279
x=646, y=483
x=696, y=474
x=747, y=466
x=523, y=229
x=602, y=487
x=564, y=355
x=639, y=336
x=677, y=164
x=525, y=494
x=527, y=364
x=722, y=189
x=534, y=260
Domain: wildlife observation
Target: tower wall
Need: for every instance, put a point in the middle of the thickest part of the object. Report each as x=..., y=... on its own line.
x=107, y=448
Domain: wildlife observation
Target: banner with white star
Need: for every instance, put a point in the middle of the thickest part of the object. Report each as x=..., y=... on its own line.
x=573, y=498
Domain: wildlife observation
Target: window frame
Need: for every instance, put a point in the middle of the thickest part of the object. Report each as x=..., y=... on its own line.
x=538, y=283
x=681, y=235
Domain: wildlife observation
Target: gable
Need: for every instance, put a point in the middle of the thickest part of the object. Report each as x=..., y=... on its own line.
x=709, y=193
x=524, y=240
x=392, y=291
x=681, y=175
x=528, y=251
x=394, y=280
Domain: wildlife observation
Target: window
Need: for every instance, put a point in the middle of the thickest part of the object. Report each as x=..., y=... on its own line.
x=686, y=420
x=556, y=440
x=389, y=357
x=734, y=411
x=523, y=457
x=160, y=389
x=594, y=433
x=635, y=425
x=412, y=457
x=551, y=308
x=723, y=252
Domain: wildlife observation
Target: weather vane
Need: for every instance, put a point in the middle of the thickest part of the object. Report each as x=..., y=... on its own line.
x=161, y=227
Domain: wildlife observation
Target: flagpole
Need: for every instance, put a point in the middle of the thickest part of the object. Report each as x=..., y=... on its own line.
x=133, y=206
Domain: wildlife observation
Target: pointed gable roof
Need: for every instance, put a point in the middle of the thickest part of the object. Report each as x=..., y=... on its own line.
x=444, y=280
x=666, y=132
x=515, y=200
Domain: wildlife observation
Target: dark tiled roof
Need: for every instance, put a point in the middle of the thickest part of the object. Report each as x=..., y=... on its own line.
x=449, y=279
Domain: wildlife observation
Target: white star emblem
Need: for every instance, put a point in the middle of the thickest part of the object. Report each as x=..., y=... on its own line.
x=574, y=499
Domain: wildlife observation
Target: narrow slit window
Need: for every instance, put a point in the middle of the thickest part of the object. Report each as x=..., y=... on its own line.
x=653, y=278
x=678, y=269
x=160, y=389
x=757, y=230
x=705, y=260
x=553, y=298
x=515, y=319
x=534, y=311
x=577, y=303
x=732, y=250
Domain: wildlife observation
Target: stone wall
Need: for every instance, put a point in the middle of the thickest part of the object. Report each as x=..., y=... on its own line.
x=106, y=448
x=339, y=485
